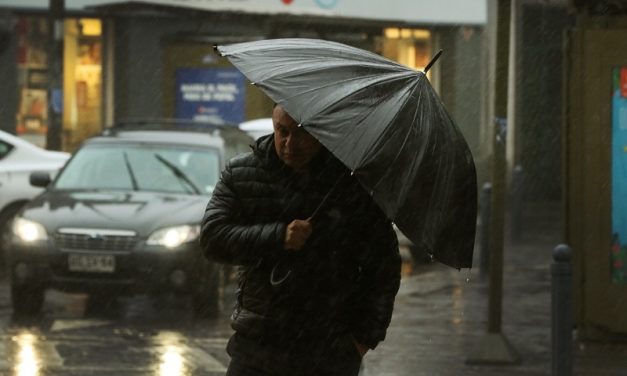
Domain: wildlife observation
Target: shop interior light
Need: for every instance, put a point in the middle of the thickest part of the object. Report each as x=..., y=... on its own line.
x=91, y=27
x=396, y=33
x=392, y=33
x=406, y=33
x=421, y=34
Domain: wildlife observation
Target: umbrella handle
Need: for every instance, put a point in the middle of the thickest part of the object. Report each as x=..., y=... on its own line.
x=433, y=60
x=316, y=212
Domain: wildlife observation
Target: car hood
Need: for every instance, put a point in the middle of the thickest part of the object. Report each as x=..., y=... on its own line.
x=142, y=212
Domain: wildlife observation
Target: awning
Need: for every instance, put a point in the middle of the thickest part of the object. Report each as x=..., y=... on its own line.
x=462, y=12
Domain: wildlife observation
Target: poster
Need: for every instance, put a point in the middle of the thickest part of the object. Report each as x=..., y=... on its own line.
x=618, y=252
x=33, y=113
x=210, y=94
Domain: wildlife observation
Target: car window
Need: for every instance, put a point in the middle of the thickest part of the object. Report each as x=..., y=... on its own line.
x=236, y=143
x=235, y=148
x=5, y=149
x=143, y=168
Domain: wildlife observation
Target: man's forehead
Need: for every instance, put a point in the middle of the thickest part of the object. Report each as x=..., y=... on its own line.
x=285, y=121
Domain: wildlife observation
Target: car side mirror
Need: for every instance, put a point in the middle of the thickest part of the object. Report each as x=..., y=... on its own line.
x=40, y=179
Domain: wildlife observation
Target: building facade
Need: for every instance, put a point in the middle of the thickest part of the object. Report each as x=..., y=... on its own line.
x=145, y=59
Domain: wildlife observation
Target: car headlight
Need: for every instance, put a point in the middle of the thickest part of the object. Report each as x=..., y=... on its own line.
x=172, y=237
x=29, y=231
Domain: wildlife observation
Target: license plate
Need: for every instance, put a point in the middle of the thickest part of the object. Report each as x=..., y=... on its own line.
x=91, y=263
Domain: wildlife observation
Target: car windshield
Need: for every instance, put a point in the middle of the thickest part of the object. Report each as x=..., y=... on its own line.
x=141, y=167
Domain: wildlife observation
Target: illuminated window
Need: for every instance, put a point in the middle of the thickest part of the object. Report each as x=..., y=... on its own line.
x=82, y=73
x=410, y=47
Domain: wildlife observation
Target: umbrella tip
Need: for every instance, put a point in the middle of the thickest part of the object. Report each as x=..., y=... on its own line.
x=433, y=60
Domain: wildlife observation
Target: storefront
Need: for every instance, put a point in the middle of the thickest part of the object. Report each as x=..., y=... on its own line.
x=200, y=85
x=595, y=174
x=150, y=59
x=82, y=61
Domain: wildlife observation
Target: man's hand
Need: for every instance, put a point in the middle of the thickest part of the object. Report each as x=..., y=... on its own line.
x=297, y=233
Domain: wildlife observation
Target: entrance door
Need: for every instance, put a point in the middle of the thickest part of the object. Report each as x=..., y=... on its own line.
x=596, y=183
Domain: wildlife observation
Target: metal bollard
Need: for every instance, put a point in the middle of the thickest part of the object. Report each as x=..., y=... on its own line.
x=516, y=208
x=486, y=210
x=561, y=312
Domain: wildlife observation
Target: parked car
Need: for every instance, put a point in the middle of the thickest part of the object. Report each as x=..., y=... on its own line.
x=257, y=127
x=18, y=159
x=123, y=217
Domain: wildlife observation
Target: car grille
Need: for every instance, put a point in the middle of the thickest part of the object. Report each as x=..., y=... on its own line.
x=97, y=240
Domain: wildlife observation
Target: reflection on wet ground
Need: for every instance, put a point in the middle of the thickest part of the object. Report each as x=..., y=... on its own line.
x=142, y=335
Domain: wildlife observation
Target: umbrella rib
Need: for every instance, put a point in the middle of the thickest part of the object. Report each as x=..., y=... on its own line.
x=353, y=130
x=340, y=99
x=384, y=77
x=332, y=64
x=391, y=129
x=400, y=149
x=298, y=45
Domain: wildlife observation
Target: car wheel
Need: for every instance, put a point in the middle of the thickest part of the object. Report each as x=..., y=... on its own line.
x=27, y=300
x=207, y=295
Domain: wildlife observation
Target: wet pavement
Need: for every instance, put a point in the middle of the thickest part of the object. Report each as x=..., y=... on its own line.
x=138, y=336
x=439, y=318
x=441, y=315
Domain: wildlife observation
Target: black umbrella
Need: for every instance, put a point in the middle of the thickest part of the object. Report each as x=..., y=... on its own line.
x=385, y=122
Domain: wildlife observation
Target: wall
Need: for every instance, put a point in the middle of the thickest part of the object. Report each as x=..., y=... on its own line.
x=8, y=78
x=139, y=49
x=539, y=107
x=461, y=86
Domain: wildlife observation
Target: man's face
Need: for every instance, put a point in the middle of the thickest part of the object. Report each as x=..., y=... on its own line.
x=294, y=146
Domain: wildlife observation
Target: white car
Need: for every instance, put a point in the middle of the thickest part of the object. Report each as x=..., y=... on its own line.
x=18, y=158
x=257, y=127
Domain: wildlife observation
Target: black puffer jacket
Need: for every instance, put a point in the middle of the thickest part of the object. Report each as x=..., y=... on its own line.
x=343, y=280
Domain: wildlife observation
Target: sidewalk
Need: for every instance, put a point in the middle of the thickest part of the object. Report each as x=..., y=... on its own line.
x=441, y=315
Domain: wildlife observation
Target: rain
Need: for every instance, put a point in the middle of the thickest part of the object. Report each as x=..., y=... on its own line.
x=460, y=212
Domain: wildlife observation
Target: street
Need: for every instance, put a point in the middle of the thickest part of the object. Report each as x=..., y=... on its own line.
x=439, y=317
x=140, y=335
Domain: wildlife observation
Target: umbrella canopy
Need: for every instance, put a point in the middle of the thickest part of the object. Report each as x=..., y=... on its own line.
x=385, y=122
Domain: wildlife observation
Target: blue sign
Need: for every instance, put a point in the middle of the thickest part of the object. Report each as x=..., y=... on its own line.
x=618, y=252
x=210, y=94
x=57, y=101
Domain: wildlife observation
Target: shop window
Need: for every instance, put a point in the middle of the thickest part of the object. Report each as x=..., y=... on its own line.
x=32, y=79
x=82, y=79
x=410, y=47
x=82, y=72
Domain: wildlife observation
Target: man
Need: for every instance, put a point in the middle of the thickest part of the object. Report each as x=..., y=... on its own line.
x=315, y=293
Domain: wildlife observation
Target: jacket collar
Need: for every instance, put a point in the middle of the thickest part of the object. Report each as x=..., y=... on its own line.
x=264, y=149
